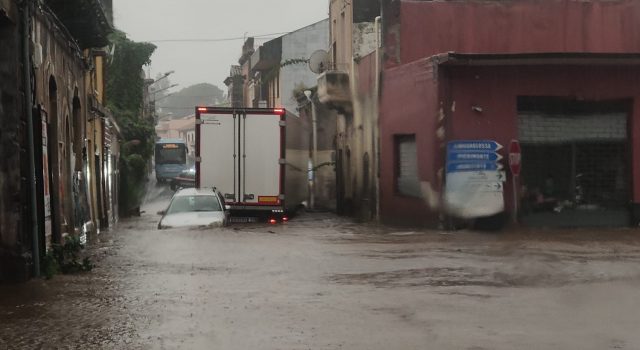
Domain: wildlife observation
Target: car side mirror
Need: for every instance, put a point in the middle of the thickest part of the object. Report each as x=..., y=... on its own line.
x=162, y=212
x=227, y=207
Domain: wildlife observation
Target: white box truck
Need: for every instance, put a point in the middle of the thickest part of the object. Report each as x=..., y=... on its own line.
x=256, y=157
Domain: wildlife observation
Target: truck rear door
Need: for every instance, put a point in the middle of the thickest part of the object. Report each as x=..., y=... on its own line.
x=262, y=150
x=217, y=153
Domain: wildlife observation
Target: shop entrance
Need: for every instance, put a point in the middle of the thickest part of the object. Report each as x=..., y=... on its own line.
x=575, y=162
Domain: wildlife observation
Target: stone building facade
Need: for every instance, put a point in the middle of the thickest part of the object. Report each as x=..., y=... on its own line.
x=48, y=65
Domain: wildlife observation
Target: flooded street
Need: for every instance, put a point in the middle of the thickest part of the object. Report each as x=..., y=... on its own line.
x=321, y=282
x=155, y=122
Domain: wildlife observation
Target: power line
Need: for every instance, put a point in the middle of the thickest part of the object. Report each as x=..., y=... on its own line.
x=264, y=36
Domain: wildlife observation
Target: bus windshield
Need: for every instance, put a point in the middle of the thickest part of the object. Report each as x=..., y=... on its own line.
x=170, y=153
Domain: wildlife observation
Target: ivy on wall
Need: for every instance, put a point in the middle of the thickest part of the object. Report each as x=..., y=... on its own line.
x=125, y=85
x=275, y=71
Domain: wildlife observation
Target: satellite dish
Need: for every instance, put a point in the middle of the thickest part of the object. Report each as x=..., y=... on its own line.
x=319, y=61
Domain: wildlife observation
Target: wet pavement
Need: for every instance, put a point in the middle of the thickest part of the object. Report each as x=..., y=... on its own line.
x=322, y=282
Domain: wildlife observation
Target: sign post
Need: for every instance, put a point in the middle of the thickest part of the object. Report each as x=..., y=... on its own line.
x=515, y=165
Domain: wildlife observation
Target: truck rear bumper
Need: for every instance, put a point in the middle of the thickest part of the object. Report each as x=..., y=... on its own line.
x=254, y=213
x=261, y=208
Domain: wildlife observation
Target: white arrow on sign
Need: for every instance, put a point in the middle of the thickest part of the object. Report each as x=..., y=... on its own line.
x=486, y=176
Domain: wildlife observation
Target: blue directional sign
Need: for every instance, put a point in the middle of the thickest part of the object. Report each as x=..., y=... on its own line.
x=473, y=146
x=473, y=156
x=473, y=166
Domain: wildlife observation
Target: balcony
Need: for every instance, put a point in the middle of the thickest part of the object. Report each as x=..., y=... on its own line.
x=267, y=56
x=334, y=90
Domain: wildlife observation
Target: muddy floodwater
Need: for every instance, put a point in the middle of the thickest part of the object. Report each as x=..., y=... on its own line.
x=322, y=282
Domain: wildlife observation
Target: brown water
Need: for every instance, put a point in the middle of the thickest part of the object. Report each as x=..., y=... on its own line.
x=322, y=282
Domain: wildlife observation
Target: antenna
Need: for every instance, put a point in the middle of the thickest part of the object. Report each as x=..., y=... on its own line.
x=319, y=61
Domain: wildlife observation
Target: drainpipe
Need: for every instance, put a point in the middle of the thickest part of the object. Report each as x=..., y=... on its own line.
x=314, y=157
x=376, y=116
x=315, y=153
x=26, y=64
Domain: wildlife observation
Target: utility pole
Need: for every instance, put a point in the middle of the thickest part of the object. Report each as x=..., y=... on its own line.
x=153, y=100
x=149, y=100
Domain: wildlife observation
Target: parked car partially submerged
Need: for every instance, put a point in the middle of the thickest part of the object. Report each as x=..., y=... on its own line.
x=186, y=178
x=192, y=207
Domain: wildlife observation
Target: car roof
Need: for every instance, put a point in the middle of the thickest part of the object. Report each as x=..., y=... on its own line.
x=194, y=192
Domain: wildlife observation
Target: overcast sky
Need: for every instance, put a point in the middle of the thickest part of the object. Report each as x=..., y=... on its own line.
x=208, y=62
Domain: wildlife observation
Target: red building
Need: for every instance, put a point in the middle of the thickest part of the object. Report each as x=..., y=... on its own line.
x=560, y=76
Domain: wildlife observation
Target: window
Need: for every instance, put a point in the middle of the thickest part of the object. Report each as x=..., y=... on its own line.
x=334, y=52
x=406, y=166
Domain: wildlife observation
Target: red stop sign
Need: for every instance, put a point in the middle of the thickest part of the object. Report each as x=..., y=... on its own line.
x=515, y=157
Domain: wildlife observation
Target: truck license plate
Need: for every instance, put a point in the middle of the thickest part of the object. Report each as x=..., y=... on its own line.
x=243, y=220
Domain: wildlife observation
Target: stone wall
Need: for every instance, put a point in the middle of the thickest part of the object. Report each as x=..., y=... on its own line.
x=61, y=66
x=13, y=242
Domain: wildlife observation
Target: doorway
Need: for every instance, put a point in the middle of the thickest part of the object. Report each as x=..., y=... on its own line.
x=56, y=191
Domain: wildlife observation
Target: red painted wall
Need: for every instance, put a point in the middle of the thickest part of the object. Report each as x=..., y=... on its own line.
x=410, y=104
x=425, y=28
x=496, y=89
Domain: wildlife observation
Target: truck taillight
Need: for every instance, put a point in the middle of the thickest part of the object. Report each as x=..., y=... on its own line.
x=279, y=111
x=203, y=109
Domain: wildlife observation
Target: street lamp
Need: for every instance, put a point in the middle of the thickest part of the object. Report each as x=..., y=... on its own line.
x=314, y=155
x=164, y=76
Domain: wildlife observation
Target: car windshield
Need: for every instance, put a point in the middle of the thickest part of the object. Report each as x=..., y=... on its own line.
x=183, y=204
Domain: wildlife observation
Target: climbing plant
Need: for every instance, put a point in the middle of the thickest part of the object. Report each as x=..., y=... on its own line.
x=273, y=72
x=125, y=85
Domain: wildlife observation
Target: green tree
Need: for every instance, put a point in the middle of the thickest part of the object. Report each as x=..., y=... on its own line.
x=125, y=86
x=183, y=102
x=125, y=82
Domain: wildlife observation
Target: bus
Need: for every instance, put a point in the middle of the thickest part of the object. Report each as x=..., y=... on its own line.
x=170, y=158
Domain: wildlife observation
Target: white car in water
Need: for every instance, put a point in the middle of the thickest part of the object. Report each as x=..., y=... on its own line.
x=194, y=207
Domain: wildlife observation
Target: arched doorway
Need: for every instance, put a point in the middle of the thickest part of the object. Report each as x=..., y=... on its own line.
x=366, y=188
x=350, y=183
x=68, y=162
x=340, y=183
x=78, y=168
x=56, y=192
x=78, y=132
